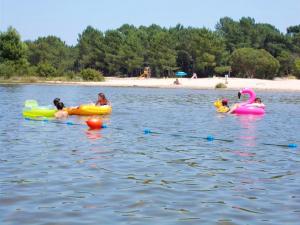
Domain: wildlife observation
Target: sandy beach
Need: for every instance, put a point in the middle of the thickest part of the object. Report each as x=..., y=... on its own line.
x=279, y=84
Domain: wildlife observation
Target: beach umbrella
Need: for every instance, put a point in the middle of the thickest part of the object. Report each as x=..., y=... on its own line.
x=180, y=74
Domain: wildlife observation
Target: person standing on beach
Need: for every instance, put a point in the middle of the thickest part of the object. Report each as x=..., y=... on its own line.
x=194, y=76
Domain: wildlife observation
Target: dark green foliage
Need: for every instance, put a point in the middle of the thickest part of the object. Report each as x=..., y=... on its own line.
x=13, y=51
x=46, y=70
x=91, y=75
x=251, y=49
x=222, y=70
x=11, y=46
x=293, y=30
x=253, y=63
x=7, y=69
x=51, y=50
x=91, y=49
x=16, y=68
x=247, y=33
x=297, y=67
x=130, y=52
x=161, y=53
x=286, y=60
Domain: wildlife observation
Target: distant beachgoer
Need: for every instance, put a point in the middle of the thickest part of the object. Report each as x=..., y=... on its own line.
x=60, y=114
x=194, y=76
x=226, y=78
x=102, y=100
x=176, y=82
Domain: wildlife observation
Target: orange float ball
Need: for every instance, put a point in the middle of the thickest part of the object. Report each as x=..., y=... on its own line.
x=94, y=123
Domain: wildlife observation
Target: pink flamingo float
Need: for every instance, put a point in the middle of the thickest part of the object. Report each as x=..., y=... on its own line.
x=245, y=108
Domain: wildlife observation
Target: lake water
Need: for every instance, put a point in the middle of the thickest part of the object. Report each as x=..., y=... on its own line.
x=60, y=174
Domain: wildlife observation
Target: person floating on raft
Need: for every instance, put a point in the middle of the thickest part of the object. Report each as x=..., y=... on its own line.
x=101, y=107
x=256, y=104
x=253, y=106
x=222, y=105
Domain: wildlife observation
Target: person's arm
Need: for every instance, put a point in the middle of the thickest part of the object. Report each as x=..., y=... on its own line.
x=259, y=105
x=232, y=108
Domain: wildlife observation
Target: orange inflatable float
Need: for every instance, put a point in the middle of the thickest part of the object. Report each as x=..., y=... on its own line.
x=89, y=110
x=94, y=123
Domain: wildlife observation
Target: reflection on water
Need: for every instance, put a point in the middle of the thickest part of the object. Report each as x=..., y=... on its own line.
x=248, y=133
x=53, y=173
x=93, y=134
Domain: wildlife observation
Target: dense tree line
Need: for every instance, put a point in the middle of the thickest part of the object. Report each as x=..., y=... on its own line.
x=244, y=47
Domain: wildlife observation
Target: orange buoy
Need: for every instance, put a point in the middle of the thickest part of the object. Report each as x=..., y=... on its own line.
x=94, y=123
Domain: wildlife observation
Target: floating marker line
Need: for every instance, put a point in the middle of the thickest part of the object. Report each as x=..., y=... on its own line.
x=59, y=122
x=54, y=121
x=208, y=138
x=148, y=131
x=292, y=145
x=212, y=138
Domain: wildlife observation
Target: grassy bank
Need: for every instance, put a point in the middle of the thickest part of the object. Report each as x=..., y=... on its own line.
x=35, y=79
x=84, y=75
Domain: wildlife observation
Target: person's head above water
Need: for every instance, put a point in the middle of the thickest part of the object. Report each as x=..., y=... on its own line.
x=225, y=102
x=257, y=100
x=56, y=101
x=60, y=105
x=102, y=99
x=101, y=95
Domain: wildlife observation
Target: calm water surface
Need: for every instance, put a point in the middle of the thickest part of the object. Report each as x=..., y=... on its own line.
x=60, y=174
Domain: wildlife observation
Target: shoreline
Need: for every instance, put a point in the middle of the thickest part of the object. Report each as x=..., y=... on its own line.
x=279, y=84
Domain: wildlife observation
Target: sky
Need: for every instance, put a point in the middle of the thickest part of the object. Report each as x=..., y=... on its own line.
x=67, y=18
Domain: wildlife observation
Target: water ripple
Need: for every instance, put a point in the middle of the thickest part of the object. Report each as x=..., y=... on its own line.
x=53, y=173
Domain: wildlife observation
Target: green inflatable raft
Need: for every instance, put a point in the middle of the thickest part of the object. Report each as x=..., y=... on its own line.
x=32, y=109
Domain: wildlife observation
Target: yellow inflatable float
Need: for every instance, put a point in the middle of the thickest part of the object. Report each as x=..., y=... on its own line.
x=220, y=107
x=89, y=110
x=32, y=109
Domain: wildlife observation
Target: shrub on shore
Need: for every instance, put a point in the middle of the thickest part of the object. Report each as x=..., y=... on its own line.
x=46, y=70
x=221, y=85
x=254, y=63
x=297, y=67
x=91, y=75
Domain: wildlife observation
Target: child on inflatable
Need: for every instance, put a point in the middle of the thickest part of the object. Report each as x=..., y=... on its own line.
x=222, y=106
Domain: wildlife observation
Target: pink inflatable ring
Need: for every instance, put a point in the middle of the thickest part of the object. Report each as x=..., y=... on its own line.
x=245, y=108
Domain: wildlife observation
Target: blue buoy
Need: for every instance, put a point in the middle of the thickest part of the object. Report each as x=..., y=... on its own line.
x=210, y=138
x=45, y=120
x=69, y=123
x=292, y=145
x=104, y=126
x=147, y=131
